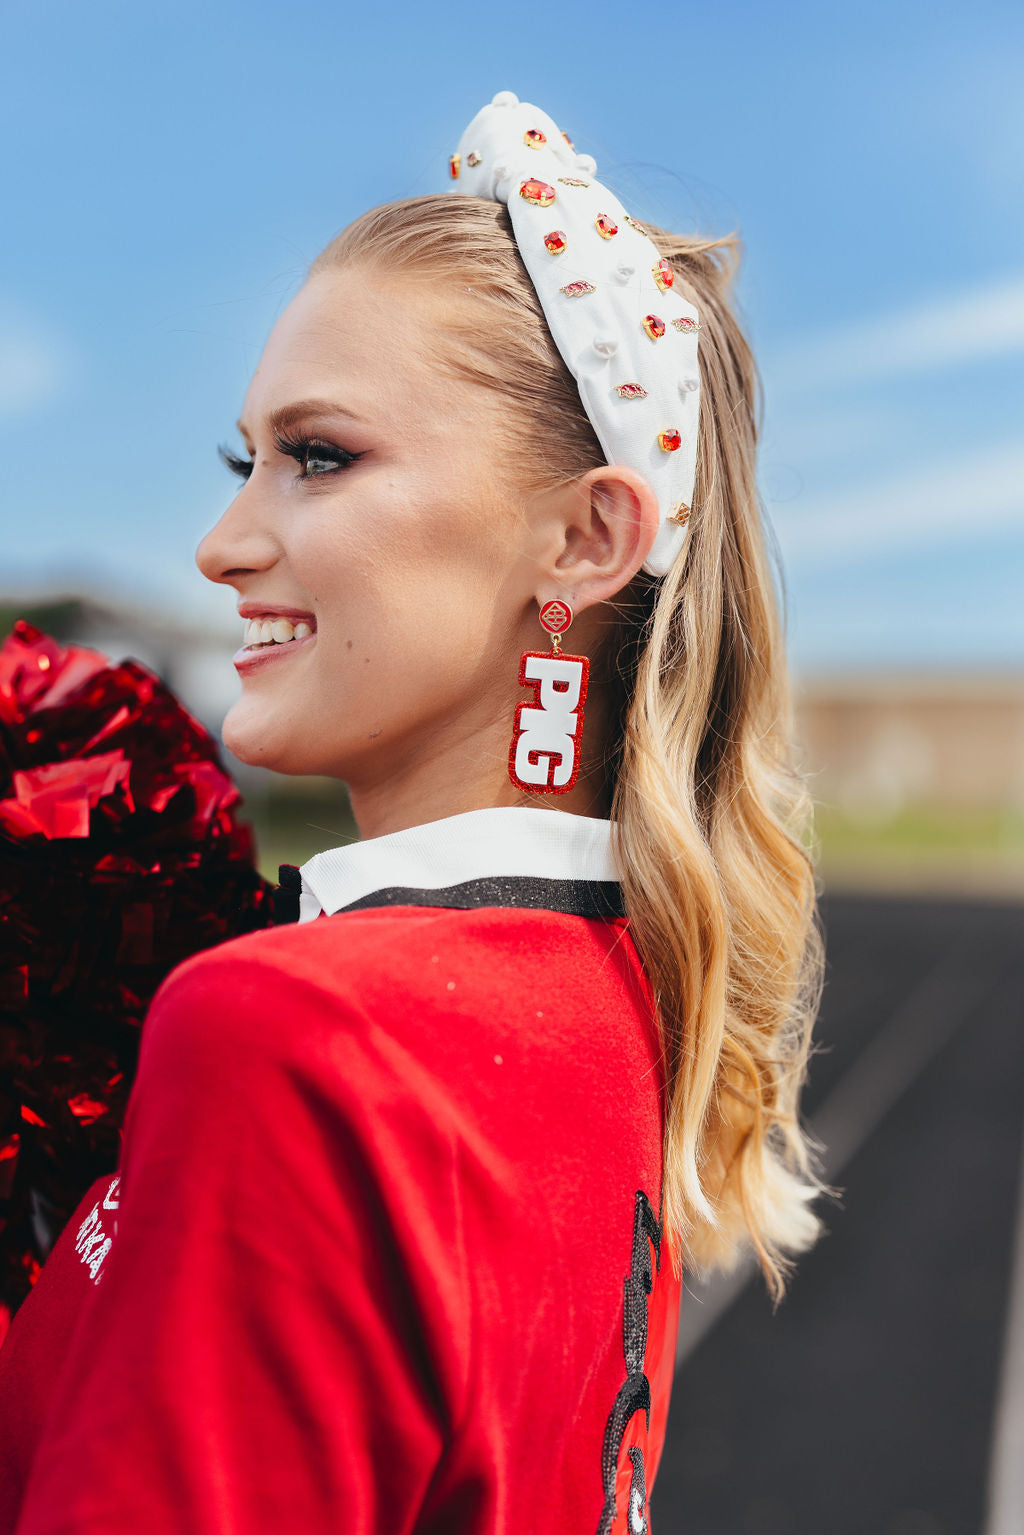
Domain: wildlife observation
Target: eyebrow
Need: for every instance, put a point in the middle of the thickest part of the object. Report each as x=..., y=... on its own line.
x=286, y=415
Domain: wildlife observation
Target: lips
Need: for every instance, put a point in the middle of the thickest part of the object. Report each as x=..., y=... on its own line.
x=249, y=659
x=273, y=616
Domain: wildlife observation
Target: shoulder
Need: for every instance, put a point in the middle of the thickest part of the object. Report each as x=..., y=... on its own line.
x=265, y=1069
x=404, y=992
x=397, y=966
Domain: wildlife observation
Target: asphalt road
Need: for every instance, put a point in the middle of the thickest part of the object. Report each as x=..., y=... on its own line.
x=873, y=1401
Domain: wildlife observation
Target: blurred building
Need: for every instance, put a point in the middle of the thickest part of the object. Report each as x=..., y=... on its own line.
x=877, y=745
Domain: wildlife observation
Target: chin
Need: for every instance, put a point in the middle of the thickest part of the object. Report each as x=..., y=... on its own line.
x=262, y=742
x=252, y=740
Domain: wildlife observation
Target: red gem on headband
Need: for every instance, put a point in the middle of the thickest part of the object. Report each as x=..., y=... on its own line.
x=537, y=192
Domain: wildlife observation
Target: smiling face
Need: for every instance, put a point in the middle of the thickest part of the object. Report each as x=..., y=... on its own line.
x=395, y=544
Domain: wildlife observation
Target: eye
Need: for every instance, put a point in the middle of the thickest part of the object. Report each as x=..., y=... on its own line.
x=318, y=458
x=314, y=456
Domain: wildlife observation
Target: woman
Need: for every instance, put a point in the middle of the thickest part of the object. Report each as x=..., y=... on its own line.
x=407, y=1188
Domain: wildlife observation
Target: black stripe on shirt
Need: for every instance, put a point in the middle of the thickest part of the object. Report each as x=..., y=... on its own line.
x=575, y=897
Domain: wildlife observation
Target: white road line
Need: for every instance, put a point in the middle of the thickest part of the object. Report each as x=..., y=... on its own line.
x=902, y=1048
x=1006, y=1472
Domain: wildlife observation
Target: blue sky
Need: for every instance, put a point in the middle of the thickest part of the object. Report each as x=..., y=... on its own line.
x=169, y=172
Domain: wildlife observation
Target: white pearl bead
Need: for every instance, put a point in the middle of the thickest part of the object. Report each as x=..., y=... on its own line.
x=505, y=99
x=587, y=164
x=688, y=385
x=604, y=347
x=624, y=271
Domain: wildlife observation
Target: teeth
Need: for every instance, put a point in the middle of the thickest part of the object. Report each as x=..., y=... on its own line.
x=275, y=631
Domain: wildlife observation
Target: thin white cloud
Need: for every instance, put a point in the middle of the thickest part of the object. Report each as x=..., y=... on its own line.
x=797, y=441
x=962, y=327
x=33, y=368
x=944, y=502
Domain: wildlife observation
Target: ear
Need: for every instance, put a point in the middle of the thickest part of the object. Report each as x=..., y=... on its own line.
x=604, y=524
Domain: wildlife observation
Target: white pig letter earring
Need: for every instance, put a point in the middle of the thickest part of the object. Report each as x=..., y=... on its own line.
x=544, y=757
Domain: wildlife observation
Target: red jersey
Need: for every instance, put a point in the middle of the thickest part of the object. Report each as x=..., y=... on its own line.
x=384, y=1250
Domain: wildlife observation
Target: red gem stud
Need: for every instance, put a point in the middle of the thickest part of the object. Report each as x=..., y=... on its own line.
x=653, y=326
x=534, y=138
x=573, y=181
x=631, y=391
x=454, y=162
x=606, y=226
x=686, y=324
x=669, y=441
x=556, y=616
x=634, y=224
x=537, y=192
x=568, y=140
x=575, y=289
x=472, y=158
x=663, y=274
x=556, y=242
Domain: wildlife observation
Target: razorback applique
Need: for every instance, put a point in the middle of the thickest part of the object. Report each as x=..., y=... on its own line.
x=625, y=1449
x=545, y=751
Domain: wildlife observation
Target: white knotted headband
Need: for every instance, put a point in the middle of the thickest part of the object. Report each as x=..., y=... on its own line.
x=627, y=336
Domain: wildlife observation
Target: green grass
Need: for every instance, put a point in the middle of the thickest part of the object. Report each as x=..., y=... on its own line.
x=923, y=849
x=923, y=829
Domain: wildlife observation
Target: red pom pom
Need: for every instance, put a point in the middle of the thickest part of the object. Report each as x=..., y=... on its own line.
x=120, y=855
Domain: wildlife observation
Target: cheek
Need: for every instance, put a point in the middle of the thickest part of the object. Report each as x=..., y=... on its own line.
x=408, y=579
x=409, y=641
x=416, y=615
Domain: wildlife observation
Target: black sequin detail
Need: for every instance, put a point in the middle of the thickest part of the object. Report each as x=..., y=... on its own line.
x=577, y=897
x=635, y=1392
x=638, y=1493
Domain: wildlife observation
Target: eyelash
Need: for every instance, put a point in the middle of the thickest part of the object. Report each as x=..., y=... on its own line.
x=295, y=447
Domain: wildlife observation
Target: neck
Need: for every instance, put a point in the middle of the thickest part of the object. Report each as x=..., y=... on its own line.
x=387, y=807
x=471, y=774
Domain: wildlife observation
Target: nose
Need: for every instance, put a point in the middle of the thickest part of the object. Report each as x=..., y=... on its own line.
x=240, y=543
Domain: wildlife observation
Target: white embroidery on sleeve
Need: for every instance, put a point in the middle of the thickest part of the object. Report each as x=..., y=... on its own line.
x=92, y=1243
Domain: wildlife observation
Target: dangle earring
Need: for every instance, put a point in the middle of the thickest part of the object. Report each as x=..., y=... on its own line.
x=544, y=757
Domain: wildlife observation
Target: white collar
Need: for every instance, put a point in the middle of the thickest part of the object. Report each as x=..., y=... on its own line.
x=543, y=850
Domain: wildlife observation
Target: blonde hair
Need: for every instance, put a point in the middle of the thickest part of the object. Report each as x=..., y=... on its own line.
x=712, y=820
